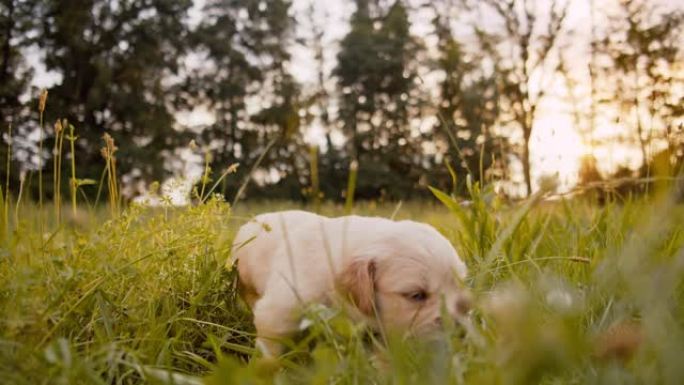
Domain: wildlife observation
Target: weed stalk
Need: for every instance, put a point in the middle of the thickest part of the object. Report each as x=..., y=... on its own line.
x=108, y=154
x=57, y=166
x=315, y=183
x=205, y=176
x=73, y=182
x=22, y=179
x=41, y=109
x=6, y=204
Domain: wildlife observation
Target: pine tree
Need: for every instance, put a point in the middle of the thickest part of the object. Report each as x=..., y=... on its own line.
x=376, y=75
x=248, y=87
x=115, y=59
x=16, y=21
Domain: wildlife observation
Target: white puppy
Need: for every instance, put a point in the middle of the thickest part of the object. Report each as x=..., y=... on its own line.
x=400, y=273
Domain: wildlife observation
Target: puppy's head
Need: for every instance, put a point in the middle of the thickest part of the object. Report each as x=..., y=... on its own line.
x=407, y=276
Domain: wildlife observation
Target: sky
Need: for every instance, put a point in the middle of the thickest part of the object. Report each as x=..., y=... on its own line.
x=556, y=145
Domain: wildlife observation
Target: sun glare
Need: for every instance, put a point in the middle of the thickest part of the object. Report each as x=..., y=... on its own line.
x=557, y=149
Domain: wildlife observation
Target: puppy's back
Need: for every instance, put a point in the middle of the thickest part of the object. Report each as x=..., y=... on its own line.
x=256, y=243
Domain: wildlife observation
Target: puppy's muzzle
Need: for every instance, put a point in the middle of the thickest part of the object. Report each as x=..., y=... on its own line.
x=457, y=310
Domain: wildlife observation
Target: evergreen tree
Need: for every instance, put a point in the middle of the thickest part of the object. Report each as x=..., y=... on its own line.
x=115, y=59
x=16, y=24
x=248, y=88
x=376, y=74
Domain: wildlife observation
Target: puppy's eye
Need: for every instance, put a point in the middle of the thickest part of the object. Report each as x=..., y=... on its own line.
x=417, y=296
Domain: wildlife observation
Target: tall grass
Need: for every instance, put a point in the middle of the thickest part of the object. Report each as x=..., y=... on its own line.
x=566, y=292
x=41, y=110
x=59, y=129
x=6, y=196
x=563, y=291
x=108, y=153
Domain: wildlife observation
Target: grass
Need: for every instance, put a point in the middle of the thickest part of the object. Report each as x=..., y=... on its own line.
x=567, y=292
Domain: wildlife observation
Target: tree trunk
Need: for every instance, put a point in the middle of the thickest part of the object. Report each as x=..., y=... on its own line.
x=526, y=162
x=637, y=117
x=6, y=47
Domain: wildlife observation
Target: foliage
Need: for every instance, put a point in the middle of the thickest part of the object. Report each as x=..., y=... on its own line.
x=567, y=292
x=15, y=75
x=148, y=288
x=246, y=43
x=641, y=76
x=413, y=104
x=376, y=71
x=468, y=111
x=114, y=59
x=522, y=51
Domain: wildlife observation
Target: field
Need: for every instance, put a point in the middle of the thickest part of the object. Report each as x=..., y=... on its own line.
x=566, y=292
x=543, y=139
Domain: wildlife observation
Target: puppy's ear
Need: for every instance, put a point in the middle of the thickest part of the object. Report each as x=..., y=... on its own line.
x=357, y=282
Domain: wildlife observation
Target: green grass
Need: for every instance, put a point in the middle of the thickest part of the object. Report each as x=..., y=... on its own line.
x=147, y=297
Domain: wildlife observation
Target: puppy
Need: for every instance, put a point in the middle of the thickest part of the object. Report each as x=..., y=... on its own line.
x=398, y=275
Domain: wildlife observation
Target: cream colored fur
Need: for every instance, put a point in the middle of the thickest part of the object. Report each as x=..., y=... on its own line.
x=400, y=273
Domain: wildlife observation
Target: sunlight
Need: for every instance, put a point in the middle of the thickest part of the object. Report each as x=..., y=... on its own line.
x=556, y=150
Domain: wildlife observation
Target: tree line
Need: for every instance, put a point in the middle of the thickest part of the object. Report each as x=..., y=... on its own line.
x=131, y=68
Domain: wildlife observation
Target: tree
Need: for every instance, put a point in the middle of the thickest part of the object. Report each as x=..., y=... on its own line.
x=16, y=20
x=224, y=39
x=644, y=79
x=331, y=159
x=376, y=76
x=522, y=54
x=245, y=46
x=468, y=108
x=115, y=59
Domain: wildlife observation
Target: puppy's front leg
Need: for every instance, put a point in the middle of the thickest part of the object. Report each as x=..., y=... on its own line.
x=275, y=319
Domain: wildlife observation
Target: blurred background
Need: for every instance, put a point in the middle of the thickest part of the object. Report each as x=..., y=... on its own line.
x=572, y=94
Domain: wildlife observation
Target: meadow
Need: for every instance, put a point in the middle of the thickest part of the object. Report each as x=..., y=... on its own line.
x=584, y=287
x=567, y=292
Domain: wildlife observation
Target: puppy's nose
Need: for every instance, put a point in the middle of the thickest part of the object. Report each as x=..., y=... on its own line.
x=464, y=303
